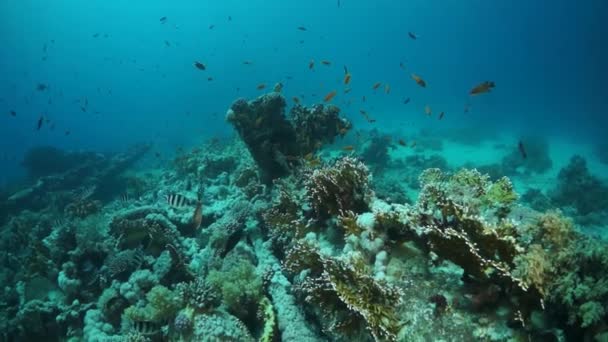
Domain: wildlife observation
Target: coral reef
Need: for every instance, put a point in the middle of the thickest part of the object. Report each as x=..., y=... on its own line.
x=292, y=244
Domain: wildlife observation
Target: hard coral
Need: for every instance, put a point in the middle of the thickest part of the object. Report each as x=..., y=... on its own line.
x=269, y=136
x=345, y=293
x=375, y=153
x=580, y=189
x=239, y=284
x=339, y=188
x=317, y=126
x=275, y=142
x=200, y=295
x=162, y=304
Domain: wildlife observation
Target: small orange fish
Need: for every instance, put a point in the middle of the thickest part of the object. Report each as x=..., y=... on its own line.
x=311, y=65
x=197, y=217
x=484, y=87
x=441, y=115
x=324, y=62
x=387, y=88
x=376, y=85
x=427, y=110
x=261, y=86
x=347, y=78
x=348, y=148
x=296, y=100
x=419, y=80
x=330, y=96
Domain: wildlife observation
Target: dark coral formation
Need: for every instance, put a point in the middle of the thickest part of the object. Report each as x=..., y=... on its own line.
x=266, y=131
x=47, y=160
x=579, y=189
x=376, y=151
x=536, y=160
x=275, y=141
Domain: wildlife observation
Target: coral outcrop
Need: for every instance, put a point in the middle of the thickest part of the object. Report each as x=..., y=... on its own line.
x=275, y=141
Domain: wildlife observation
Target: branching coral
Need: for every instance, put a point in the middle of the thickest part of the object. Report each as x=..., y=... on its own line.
x=468, y=190
x=144, y=227
x=162, y=304
x=317, y=126
x=239, y=284
x=123, y=262
x=339, y=188
x=285, y=219
x=199, y=294
x=345, y=293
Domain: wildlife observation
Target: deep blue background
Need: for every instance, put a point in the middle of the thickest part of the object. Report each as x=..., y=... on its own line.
x=546, y=57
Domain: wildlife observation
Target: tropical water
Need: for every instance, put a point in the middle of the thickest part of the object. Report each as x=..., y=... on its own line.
x=119, y=127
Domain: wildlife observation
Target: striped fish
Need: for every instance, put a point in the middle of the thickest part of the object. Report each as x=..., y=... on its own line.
x=124, y=198
x=58, y=223
x=146, y=327
x=177, y=200
x=85, y=192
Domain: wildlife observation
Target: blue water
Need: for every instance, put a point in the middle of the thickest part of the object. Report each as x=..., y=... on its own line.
x=546, y=57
